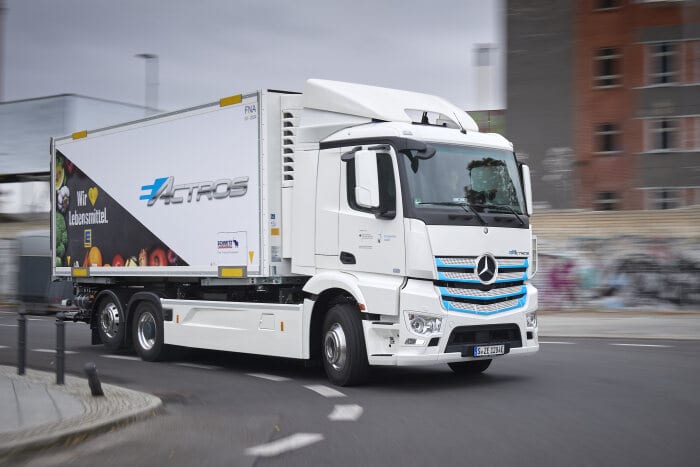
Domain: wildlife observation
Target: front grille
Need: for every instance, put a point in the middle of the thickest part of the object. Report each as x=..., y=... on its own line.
x=464, y=338
x=462, y=290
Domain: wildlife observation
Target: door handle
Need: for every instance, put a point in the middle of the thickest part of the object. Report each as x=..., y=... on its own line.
x=347, y=258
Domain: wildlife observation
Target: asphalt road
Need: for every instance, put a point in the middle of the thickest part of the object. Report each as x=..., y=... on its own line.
x=576, y=402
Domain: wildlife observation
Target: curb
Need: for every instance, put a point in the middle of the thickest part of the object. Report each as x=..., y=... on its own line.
x=117, y=407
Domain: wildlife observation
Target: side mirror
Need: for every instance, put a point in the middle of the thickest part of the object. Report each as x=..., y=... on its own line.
x=366, y=179
x=527, y=187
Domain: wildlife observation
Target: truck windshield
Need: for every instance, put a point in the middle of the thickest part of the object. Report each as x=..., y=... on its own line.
x=457, y=176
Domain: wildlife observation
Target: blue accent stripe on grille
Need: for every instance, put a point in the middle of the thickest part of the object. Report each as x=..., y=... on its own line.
x=445, y=293
x=442, y=277
x=514, y=266
x=447, y=306
x=440, y=264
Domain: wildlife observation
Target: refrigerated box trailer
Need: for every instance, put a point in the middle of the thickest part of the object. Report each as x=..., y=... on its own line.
x=353, y=224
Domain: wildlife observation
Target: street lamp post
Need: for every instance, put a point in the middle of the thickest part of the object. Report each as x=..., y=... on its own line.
x=151, y=81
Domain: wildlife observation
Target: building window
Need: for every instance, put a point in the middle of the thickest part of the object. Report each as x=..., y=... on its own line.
x=607, y=138
x=663, y=66
x=607, y=201
x=606, y=4
x=663, y=135
x=665, y=198
x=607, y=68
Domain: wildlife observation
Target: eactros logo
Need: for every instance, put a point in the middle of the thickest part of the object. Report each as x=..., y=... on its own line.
x=486, y=268
x=166, y=190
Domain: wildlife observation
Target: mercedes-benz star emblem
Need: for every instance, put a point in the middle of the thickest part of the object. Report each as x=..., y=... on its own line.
x=486, y=268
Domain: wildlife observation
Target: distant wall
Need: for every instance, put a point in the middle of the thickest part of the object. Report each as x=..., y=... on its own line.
x=619, y=260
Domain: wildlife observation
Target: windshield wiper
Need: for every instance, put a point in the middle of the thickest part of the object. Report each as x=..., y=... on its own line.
x=500, y=206
x=461, y=205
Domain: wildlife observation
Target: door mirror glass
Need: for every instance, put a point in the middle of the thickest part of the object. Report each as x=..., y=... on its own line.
x=366, y=179
x=527, y=187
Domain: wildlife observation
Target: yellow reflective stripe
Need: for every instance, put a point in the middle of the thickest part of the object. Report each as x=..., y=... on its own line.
x=237, y=99
x=80, y=134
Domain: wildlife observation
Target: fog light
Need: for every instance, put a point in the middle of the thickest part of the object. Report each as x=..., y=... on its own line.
x=424, y=324
x=531, y=319
x=414, y=341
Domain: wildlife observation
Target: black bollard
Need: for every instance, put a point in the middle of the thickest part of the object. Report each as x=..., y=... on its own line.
x=21, y=342
x=60, y=348
x=93, y=380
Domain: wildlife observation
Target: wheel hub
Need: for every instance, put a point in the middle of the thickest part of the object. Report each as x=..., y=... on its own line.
x=146, y=330
x=109, y=320
x=335, y=347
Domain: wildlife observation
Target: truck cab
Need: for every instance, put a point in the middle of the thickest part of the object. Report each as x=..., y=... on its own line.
x=426, y=221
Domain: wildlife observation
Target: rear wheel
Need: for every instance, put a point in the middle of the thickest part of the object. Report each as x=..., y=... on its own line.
x=470, y=368
x=148, y=332
x=110, y=323
x=343, y=349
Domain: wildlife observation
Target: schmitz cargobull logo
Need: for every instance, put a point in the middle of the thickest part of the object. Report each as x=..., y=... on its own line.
x=166, y=190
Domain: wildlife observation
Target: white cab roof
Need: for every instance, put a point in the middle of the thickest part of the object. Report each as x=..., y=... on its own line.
x=379, y=103
x=423, y=133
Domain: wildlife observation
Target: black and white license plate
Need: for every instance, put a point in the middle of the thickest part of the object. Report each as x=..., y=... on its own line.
x=489, y=350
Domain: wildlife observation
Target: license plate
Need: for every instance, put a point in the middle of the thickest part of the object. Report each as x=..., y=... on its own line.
x=489, y=350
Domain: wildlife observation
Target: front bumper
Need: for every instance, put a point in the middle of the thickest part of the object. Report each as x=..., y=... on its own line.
x=386, y=341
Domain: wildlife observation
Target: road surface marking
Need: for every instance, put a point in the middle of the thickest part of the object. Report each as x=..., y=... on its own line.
x=37, y=319
x=275, y=448
x=199, y=366
x=9, y=325
x=268, y=377
x=642, y=345
x=553, y=342
x=346, y=413
x=4, y=347
x=8, y=312
x=325, y=391
x=121, y=357
x=67, y=352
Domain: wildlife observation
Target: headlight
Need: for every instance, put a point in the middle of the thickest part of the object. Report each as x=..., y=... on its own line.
x=531, y=319
x=424, y=324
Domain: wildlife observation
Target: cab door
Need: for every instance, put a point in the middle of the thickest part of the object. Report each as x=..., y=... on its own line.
x=371, y=231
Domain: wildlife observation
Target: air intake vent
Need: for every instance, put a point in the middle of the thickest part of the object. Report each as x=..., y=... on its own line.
x=290, y=123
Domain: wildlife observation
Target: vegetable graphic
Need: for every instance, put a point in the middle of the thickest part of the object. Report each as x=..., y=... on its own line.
x=143, y=257
x=63, y=198
x=61, y=236
x=93, y=257
x=60, y=173
x=157, y=258
x=117, y=261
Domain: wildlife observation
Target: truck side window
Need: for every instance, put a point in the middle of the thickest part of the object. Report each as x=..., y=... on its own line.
x=387, y=185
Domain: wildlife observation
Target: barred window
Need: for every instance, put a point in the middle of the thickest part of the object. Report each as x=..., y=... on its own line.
x=663, y=134
x=663, y=65
x=607, y=67
x=607, y=138
x=607, y=201
x=667, y=198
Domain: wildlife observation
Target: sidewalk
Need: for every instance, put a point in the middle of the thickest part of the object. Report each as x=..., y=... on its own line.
x=37, y=413
x=627, y=325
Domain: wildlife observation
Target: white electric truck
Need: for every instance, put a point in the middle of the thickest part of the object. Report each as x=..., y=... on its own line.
x=353, y=224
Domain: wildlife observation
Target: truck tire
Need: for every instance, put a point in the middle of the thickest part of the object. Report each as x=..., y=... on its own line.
x=343, y=348
x=110, y=323
x=470, y=368
x=147, y=332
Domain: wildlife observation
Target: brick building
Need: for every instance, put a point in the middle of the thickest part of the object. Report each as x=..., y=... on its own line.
x=616, y=85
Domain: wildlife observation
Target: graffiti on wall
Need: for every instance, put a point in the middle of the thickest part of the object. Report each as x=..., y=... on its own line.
x=620, y=273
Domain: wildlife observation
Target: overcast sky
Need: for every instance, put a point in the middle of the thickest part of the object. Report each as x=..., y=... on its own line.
x=213, y=48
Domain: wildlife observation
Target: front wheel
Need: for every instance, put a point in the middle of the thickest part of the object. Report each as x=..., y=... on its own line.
x=470, y=368
x=343, y=346
x=147, y=332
